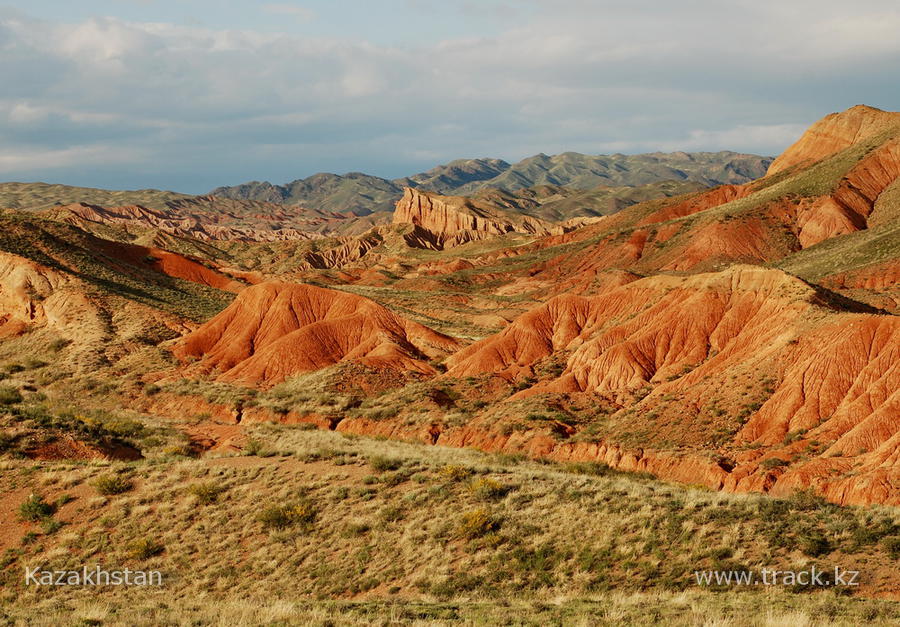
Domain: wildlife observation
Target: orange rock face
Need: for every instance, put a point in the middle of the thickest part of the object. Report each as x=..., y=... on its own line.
x=834, y=133
x=449, y=220
x=274, y=330
x=693, y=338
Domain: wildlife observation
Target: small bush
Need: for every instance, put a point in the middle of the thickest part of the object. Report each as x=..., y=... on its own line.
x=475, y=524
x=382, y=464
x=283, y=516
x=807, y=500
x=487, y=489
x=58, y=345
x=253, y=447
x=7, y=442
x=50, y=526
x=205, y=493
x=108, y=485
x=35, y=509
x=9, y=395
x=392, y=513
x=892, y=546
x=774, y=462
x=145, y=548
x=455, y=473
x=353, y=530
x=815, y=545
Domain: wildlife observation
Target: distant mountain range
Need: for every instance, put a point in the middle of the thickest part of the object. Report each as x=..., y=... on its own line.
x=362, y=194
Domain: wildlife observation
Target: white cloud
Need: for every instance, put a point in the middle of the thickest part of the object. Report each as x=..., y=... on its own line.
x=18, y=161
x=749, y=137
x=204, y=107
x=304, y=14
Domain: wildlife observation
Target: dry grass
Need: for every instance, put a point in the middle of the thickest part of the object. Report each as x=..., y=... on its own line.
x=387, y=536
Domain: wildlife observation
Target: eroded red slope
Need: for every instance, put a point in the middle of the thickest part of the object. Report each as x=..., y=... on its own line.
x=275, y=329
x=685, y=356
x=834, y=133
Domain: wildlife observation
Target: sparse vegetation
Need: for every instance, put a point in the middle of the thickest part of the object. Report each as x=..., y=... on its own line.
x=109, y=485
x=205, y=493
x=35, y=509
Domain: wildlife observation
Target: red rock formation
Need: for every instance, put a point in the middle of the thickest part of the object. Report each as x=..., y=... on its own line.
x=838, y=381
x=445, y=221
x=834, y=133
x=848, y=208
x=170, y=264
x=32, y=294
x=700, y=202
x=274, y=330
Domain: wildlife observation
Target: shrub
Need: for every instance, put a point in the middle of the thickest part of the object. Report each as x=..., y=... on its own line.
x=476, y=523
x=892, y=545
x=815, y=544
x=356, y=529
x=58, y=345
x=253, y=447
x=455, y=473
x=7, y=442
x=382, y=464
x=145, y=548
x=205, y=493
x=392, y=513
x=283, y=516
x=773, y=462
x=9, y=395
x=107, y=485
x=806, y=500
x=488, y=489
x=51, y=526
x=35, y=509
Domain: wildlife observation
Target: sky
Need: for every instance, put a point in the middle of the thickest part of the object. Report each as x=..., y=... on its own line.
x=192, y=94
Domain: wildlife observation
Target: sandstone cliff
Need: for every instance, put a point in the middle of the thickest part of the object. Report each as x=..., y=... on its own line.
x=446, y=221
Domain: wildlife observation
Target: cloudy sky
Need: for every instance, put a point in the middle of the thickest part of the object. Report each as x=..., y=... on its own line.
x=192, y=94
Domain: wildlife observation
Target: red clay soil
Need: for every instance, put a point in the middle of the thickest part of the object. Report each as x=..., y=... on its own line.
x=274, y=330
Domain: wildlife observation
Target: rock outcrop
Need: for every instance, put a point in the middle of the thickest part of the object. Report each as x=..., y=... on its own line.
x=834, y=133
x=446, y=221
x=274, y=330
